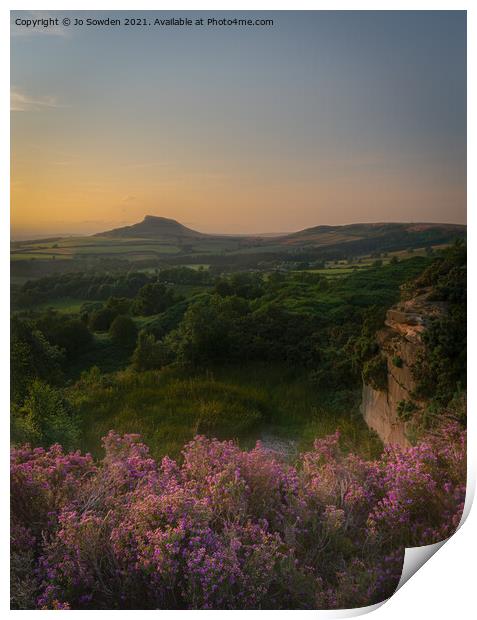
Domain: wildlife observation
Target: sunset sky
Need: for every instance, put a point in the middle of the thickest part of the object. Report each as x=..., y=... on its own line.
x=324, y=118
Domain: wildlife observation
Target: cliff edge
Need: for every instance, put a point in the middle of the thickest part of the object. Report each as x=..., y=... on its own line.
x=400, y=343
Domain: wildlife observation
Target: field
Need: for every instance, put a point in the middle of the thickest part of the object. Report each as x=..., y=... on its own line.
x=92, y=247
x=66, y=305
x=37, y=255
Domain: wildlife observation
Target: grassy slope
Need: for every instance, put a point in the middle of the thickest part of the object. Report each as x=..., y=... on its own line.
x=167, y=407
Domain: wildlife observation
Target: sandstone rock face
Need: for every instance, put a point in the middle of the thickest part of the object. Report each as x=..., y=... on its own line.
x=400, y=342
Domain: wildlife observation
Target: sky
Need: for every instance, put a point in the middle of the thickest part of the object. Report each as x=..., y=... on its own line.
x=322, y=118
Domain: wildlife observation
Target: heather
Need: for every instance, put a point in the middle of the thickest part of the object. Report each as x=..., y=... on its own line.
x=225, y=528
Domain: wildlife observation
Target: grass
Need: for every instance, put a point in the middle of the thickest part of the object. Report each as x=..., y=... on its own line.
x=66, y=305
x=333, y=271
x=197, y=266
x=21, y=256
x=127, y=249
x=168, y=407
x=93, y=247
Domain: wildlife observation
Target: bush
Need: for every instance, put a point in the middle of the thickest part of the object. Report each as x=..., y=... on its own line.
x=123, y=331
x=100, y=320
x=154, y=298
x=227, y=529
x=150, y=354
x=45, y=418
x=210, y=331
x=120, y=305
x=67, y=333
x=375, y=372
x=31, y=357
x=406, y=409
x=440, y=370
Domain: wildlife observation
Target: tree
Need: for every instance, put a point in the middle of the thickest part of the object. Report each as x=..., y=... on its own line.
x=100, y=320
x=67, y=333
x=32, y=356
x=120, y=305
x=154, y=298
x=123, y=331
x=210, y=330
x=150, y=354
x=45, y=418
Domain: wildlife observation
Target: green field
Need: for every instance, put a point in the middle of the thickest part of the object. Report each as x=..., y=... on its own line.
x=66, y=305
x=22, y=256
x=68, y=250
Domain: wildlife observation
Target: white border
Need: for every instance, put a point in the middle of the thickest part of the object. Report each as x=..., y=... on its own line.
x=446, y=585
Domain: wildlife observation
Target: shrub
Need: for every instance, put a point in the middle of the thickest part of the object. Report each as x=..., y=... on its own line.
x=154, y=298
x=67, y=333
x=405, y=409
x=440, y=371
x=100, y=320
x=123, y=331
x=31, y=357
x=150, y=354
x=375, y=372
x=45, y=418
x=226, y=528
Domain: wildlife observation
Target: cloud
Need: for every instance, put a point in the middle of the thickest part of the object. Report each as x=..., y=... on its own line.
x=129, y=199
x=21, y=102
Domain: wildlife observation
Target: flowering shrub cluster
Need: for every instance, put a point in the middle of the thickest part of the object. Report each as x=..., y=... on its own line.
x=226, y=528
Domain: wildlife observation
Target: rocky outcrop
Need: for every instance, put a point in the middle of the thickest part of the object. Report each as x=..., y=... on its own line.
x=400, y=343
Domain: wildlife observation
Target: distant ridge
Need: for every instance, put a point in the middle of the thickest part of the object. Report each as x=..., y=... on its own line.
x=352, y=232
x=163, y=229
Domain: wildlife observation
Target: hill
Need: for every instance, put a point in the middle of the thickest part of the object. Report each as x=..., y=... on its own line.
x=332, y=235
x=153, y=227
x=161, y=228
